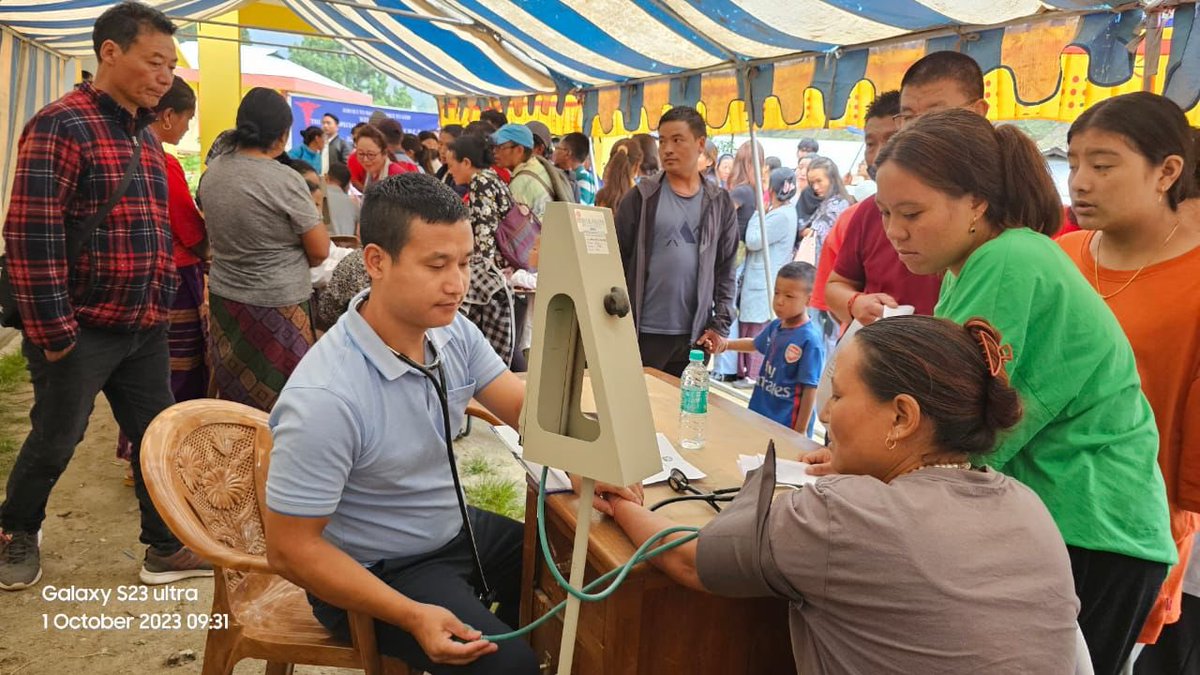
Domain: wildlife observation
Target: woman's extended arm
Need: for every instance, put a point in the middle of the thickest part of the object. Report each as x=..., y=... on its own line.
x=640, y=523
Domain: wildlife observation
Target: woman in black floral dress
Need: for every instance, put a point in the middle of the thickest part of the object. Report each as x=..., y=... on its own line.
x=489, y=302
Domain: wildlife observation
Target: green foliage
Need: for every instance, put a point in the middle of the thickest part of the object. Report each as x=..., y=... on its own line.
x=191, y=170
x=476, y=465
x=350, y=71
x=497, y=495
x=14, y=410
x=12, y=372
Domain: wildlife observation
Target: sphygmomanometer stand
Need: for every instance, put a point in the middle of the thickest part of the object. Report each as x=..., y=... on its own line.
x=582, y=319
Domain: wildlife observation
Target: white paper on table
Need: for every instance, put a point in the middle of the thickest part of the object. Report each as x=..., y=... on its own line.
x=787, y=471
x=671, y=459
x=557, y=481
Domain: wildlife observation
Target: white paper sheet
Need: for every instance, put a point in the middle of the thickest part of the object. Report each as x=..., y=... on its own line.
x=556, y=482
x=671, y=459
x=787, y=471
x=559, y=482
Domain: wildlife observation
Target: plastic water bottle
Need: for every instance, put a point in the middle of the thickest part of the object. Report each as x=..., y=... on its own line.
x=693, y=405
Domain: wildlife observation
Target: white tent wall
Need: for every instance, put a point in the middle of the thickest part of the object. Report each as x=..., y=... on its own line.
x=30, y=77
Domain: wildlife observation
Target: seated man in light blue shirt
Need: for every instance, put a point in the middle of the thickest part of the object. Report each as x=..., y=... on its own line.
x=364, y=508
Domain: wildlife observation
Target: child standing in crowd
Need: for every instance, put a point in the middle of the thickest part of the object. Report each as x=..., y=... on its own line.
x=793, y=350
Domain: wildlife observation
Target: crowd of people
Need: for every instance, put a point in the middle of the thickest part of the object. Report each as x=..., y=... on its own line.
x=1010, y=459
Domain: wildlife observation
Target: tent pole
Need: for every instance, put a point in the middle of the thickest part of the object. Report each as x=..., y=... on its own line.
x=1151, y=48
x=758, y=186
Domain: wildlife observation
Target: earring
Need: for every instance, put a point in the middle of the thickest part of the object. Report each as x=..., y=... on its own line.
x=973, y=221
x=890, y=443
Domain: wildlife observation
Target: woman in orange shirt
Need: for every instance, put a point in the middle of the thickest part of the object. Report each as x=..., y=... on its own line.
x=1134, y=192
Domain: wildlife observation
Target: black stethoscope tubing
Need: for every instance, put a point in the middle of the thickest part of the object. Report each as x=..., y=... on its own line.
x=679, y=483
x=439, y=385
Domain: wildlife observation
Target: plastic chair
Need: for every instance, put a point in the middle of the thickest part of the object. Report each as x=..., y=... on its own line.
x=205, y=465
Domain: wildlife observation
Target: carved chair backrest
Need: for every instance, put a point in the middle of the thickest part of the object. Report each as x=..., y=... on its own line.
x=205, y=464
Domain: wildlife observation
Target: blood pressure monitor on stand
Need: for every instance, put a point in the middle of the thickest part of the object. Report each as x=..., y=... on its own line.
x=582, y=319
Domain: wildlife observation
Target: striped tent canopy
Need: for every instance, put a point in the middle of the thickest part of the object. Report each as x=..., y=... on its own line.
x=514, y=47
x=613, y=65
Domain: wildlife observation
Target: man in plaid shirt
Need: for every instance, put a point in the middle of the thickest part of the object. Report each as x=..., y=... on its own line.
x=98, y=323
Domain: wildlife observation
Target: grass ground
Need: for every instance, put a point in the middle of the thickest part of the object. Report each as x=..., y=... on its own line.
x=14, y=408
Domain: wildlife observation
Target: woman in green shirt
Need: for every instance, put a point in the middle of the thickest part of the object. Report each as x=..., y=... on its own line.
x=975, y=202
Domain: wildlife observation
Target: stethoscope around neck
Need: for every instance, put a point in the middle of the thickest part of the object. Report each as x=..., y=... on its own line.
x=439, y=385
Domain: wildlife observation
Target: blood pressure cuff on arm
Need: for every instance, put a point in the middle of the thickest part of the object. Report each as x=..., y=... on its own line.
x=733, y=554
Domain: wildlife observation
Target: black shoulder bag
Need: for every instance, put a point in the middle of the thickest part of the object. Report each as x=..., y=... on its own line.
x=9, y=316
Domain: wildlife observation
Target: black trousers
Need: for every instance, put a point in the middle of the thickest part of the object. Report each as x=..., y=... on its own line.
x=1116, y=593
x=1177, y=651
x=446, y=577
x=668, y=353
x=134, y=372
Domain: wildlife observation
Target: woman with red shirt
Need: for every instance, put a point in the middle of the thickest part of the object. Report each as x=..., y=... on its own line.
x=377, y=161
x=186, y=331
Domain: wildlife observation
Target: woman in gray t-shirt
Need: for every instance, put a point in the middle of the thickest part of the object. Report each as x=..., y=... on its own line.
x=911, y=560
x=264, y=233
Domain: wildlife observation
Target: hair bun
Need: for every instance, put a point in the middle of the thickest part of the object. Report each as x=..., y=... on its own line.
x=995, y=353
x=249, y=133
x=1002, y=403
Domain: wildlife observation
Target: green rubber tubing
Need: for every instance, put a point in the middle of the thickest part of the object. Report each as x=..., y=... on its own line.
x=643, y=553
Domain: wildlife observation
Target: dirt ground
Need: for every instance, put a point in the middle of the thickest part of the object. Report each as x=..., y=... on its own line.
x=90, y=542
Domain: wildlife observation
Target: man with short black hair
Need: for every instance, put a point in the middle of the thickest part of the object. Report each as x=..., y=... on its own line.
x=94, y=308
x=807, y=147
x=678, y=235
x=570, y=154
x=393, y=134
x=364, y=506
x=337, y=150
x=939, y=81
x=879, y=127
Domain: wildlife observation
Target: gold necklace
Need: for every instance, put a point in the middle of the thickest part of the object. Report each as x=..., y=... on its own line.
x=1096, y=262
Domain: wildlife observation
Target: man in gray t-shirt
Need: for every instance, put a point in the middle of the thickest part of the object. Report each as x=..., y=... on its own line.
x=678, y=236
x=671, y=284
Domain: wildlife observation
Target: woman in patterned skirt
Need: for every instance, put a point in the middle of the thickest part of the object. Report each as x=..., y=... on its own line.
x=265, y=233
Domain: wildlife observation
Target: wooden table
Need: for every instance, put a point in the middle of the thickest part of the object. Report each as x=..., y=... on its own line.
x=651, y=625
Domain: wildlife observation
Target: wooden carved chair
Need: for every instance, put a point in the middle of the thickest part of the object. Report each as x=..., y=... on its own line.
x=205, y=465
x=346, y=240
